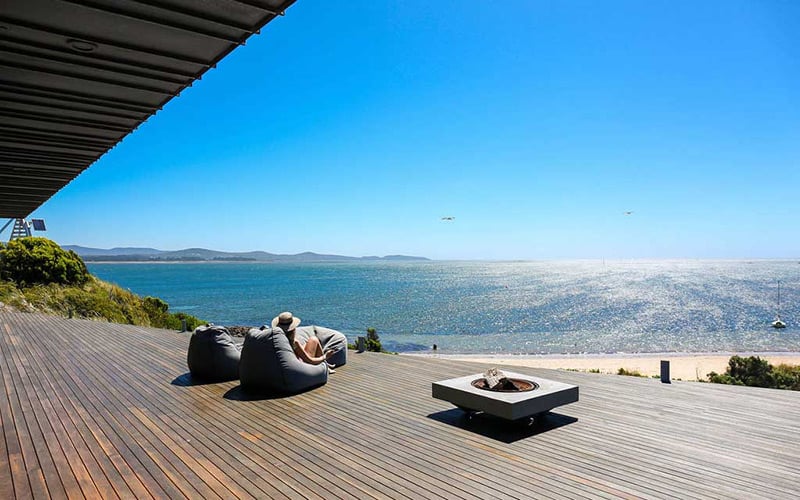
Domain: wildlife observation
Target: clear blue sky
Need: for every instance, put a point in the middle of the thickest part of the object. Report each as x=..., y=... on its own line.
x=353, y=127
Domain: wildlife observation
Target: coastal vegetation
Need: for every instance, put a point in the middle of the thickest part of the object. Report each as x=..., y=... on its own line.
x=37, y=275
x=756, y=372
x=373, y=341
x=39, y=261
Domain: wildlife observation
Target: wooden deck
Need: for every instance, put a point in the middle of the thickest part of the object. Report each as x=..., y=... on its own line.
x=100, y=410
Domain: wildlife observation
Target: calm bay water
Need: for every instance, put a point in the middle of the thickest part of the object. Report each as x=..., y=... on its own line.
x=498, y=307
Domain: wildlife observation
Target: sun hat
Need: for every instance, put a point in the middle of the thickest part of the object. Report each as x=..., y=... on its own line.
x=285, y=321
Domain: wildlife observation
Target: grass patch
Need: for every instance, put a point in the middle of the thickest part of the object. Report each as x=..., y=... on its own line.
x=95, y=300
x=581, y=370
x=630, y=373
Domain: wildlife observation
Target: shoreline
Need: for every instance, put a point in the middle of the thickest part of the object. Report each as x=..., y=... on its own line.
x=683, y=365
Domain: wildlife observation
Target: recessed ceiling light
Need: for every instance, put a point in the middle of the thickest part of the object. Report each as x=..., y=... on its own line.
x=81, y=45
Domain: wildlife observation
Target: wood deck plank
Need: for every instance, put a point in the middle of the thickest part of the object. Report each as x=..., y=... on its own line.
x=105, y=393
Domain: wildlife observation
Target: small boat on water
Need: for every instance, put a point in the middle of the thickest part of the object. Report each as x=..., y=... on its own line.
x=778, y=323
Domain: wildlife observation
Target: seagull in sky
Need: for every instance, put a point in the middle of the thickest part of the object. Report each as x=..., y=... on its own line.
x=449, y=217
x=628, y=213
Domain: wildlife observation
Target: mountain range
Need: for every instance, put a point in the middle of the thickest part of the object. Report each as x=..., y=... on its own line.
x=136, y=254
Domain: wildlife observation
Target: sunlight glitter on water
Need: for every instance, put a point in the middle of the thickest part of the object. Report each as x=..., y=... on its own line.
x=499, y=307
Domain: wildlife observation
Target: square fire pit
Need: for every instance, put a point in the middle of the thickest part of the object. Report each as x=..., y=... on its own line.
x=542, y=395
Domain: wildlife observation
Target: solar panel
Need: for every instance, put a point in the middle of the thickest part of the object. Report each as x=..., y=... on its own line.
x=38, y=225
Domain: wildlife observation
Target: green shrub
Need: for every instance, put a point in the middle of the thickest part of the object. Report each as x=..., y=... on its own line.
x=756, y=372
x=158, y=312
x=31, y=261
x=373, y=341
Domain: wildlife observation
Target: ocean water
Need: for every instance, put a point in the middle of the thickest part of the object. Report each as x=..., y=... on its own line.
x=543, y=307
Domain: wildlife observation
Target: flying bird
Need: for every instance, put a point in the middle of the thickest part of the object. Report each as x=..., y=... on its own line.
x=628, y=213
x=448, y=218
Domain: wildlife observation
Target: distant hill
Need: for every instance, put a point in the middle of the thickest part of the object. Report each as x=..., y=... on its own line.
x=86, y=251
x=133, y=254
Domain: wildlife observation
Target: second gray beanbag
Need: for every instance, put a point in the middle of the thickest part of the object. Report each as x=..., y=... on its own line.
x=213, y=356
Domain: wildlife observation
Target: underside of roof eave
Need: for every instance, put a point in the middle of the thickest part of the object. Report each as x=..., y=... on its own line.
x=78, y=76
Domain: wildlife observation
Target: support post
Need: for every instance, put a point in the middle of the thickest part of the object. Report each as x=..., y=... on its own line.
x=361, y=344
x=21, y=229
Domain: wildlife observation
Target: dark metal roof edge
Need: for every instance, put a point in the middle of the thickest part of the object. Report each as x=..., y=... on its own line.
x=269, y=16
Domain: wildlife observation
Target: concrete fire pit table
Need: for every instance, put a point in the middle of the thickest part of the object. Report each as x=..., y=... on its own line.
x=542, y=396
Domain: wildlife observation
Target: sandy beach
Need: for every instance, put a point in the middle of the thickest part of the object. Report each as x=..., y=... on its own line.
x=683, y=366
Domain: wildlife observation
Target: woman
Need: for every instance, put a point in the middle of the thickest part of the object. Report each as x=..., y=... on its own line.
x=311, y=352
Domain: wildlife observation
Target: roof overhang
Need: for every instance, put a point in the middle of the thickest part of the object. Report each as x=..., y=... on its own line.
x=77, y=76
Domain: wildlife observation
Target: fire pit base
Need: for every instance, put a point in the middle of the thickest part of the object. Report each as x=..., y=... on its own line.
x=508, y=405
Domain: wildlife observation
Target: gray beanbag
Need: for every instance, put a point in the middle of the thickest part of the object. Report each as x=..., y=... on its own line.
x=213, y=356
x=269, y=364
x=328, y=339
